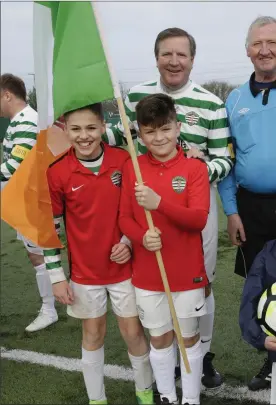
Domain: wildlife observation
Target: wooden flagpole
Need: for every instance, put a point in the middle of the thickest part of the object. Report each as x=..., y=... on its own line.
x=138, y=175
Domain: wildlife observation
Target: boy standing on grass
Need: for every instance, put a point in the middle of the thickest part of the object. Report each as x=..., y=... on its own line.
x=261, y=276
x=85, y=188
x=176, y=190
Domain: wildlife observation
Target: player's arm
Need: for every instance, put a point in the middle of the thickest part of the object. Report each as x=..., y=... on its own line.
x=190, y=218
x=127, y=223
x=52, y=257
x=24, y=141
x=253, y=289
x=219, y=145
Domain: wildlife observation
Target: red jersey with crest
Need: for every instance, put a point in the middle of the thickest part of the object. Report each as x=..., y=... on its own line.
x=184, y=188
x=89, y=204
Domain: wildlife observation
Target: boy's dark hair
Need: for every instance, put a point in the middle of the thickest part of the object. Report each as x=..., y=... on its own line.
x=13, y=84
x=172, y=33
x=156, y=110
x=96, y=108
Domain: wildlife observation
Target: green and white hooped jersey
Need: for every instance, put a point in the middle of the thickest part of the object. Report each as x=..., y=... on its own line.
x=19, y=139
x=203, y=118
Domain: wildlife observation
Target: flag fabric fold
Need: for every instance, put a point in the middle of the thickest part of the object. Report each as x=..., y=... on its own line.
x=71, y=72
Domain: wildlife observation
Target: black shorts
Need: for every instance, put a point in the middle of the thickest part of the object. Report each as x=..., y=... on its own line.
x=258, y=214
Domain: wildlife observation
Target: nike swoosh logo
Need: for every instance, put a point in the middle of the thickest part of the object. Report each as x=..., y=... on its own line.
x=76, y=188
x=198, y=309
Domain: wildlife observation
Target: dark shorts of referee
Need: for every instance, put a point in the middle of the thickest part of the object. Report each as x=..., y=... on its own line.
x=258, y=215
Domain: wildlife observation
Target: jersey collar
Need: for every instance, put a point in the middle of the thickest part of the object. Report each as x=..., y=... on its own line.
x=255, y=90
x=107, y=163
x=179, y=156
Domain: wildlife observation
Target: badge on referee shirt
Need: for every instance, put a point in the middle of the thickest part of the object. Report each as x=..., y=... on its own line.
x=179, y=184
x=116, y=178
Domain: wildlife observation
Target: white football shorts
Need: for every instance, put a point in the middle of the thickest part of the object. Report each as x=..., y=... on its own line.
x=91, y=300
x=154, y=311
x=29, y=245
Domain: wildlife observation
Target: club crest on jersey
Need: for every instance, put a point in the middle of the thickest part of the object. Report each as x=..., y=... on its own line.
x=116, y=178
x=179, y=184
x=192, y=118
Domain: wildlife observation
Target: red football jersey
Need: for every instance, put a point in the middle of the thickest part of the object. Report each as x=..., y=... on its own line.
x=89, y=204
x=182, y=214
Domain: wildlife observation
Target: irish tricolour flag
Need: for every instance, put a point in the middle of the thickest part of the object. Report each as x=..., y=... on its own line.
x=71, y=71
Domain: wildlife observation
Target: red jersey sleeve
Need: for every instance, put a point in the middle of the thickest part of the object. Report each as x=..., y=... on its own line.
x=127, y=223
x=56, y=193
x=193, y=217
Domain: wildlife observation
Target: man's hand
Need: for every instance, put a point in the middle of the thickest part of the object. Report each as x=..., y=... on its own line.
x=195, y=153
x=120, y=253
x=236, y=230
x=152, y=240
x=146, y=197
x=63, y=292
x=270, y=343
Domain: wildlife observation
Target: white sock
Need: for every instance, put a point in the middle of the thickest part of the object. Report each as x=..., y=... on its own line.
x=163, y=364
x=206, y=324
x=45, y=288
x=93, y=373
x=142, y=370
x=191, y=383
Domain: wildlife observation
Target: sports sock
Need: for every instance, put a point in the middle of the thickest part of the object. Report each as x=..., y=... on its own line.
x=206, y=324
x=191, y=383
x=142, y=370
x=45, y=288
x=163, y=364
x=93, y=373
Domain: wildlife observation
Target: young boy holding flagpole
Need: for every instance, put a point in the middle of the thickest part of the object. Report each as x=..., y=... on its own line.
x=176, y=191
x=85, y=188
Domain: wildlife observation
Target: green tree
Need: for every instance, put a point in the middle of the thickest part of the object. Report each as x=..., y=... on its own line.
x=31, y=98
x=220, y=89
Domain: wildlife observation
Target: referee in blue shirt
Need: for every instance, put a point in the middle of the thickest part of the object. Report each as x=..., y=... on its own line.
x=248, y=194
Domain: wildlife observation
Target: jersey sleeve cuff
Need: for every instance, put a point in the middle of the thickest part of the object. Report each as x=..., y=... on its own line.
x=57, y=275
x=126, y=241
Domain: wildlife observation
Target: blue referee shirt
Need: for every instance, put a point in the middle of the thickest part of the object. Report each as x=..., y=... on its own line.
x=252, y=117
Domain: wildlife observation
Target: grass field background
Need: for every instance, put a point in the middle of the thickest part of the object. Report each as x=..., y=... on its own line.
x=24, y=383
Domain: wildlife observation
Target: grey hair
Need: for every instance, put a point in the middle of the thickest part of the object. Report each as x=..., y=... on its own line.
x=259, y=22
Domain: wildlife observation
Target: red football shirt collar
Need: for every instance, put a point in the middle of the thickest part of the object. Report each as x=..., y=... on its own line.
x=169, y=163
x=78, y=167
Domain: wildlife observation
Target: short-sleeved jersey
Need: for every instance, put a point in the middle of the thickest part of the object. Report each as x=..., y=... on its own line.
x=89, y=204
x=19, y=139
x=181, y=215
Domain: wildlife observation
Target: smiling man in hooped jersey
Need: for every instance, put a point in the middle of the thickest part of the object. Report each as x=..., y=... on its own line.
x=249, y=193
x=203, y=134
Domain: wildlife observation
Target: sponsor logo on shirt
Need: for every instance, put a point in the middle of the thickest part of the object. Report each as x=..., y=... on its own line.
x=243, y=111
x=179, y=184
x=192, y=118
x=20, y=152
x=116, y=178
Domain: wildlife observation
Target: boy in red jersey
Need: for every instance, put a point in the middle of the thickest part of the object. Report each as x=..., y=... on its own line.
x=85, y=188
x=176, y=191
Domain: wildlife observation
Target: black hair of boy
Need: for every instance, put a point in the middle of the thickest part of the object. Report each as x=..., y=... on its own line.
x=155, y=111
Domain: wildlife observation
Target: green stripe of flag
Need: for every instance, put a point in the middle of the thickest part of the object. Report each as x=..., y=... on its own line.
x=80, y=71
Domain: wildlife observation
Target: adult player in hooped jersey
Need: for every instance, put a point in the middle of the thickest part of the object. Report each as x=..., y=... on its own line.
x=85, y=188
x=176, y=190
